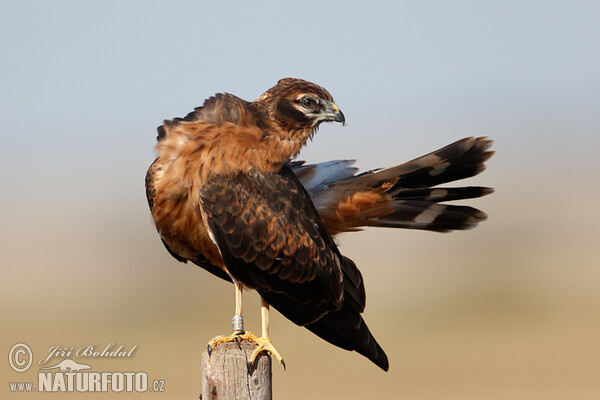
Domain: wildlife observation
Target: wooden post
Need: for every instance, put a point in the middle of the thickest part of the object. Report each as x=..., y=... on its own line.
x=225, y=373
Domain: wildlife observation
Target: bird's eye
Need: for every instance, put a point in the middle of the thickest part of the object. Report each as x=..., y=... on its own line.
x=307, y=102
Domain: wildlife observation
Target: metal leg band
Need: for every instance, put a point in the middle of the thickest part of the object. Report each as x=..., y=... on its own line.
x=237, y=322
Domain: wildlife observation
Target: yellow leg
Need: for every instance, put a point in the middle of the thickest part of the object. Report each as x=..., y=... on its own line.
x=239, y=288
x=237, y=322
x=264, y=342
x=264, y=317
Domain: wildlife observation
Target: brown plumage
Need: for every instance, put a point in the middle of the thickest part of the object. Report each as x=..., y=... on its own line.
x=224, y=195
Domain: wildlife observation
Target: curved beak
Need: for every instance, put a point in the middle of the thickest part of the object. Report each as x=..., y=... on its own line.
x=333, y=113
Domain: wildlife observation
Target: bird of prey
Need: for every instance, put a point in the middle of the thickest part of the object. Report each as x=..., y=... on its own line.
x=225, y=194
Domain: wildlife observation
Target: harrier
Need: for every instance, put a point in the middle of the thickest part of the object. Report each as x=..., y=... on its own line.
x=225, y=195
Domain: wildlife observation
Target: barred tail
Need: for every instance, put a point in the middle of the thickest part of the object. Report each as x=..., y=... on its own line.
x=405, y=195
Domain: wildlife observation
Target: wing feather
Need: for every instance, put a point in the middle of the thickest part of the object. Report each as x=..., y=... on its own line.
x=280, y=247
x=264, y=225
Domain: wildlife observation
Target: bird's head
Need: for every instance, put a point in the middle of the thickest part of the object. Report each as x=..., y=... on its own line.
x=295, y=108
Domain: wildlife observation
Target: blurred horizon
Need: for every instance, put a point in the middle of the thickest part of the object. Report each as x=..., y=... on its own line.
x=507, y=310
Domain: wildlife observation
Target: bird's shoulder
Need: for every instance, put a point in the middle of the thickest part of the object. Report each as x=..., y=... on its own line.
x=218, y=109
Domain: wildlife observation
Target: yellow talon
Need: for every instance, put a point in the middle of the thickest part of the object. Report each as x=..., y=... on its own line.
x=263, y=345
x=234, y=337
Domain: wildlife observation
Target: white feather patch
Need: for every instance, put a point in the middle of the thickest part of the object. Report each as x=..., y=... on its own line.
x=438, y=169
x=438, y=193
x=429, y=215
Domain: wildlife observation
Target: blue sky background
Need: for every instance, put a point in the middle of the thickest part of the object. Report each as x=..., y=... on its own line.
x=85, y=83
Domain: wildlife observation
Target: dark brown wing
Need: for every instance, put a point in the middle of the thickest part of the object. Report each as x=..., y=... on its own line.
x=271, y=243
x=150, y=185
x=272, y=239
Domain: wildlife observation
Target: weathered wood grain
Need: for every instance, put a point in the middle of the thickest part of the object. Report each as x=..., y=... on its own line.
x=225, y=373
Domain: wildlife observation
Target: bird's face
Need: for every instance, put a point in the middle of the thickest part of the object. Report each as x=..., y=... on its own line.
x=317, y=109
x=298, y=107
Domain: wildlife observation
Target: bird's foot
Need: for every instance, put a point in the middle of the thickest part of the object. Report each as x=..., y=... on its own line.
x=263, y=345
x=234, y=337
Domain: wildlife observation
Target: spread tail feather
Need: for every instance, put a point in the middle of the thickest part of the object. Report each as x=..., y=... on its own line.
x=431, y=216
x=402, y=196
